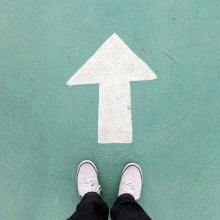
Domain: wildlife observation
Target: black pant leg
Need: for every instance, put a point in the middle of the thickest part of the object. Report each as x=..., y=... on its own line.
x=126, y=208
x=91, y=207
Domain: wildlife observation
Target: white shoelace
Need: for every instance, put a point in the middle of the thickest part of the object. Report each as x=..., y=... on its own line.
x=89, y=185
x=128, y=187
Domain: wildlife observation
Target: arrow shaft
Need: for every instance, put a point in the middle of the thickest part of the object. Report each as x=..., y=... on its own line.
x=115, y=121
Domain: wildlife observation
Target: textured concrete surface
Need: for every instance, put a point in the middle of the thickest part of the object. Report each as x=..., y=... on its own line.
x=47, y=128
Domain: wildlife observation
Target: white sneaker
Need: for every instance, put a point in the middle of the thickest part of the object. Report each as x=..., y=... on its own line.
x=131, y=180
x=87, y=178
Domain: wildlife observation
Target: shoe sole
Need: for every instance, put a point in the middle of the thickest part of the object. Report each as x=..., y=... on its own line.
x=83, y=162
x=137, y=166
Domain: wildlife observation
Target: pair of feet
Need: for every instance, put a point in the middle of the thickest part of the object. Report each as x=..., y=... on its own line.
x=131, y=179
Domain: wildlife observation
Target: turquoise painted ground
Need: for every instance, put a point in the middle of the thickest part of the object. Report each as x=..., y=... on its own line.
x=47, y=128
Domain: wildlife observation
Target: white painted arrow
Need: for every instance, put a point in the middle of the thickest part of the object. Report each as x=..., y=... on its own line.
x=114, y=65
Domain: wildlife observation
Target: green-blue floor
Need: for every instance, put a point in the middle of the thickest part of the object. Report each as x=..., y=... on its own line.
x=47, y=128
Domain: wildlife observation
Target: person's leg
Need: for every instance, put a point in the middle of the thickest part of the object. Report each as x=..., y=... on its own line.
x=91, y=206
x=126, y=206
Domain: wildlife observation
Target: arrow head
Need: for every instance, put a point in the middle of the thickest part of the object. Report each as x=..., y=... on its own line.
x=114, y=62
